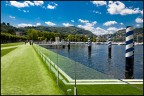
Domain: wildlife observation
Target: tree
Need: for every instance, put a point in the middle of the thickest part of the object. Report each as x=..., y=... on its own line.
x=3, y=23
x=11, y=31
x=8, y=24
x=32, y=34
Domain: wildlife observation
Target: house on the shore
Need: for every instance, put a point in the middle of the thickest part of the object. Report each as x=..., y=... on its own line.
x=19, y=33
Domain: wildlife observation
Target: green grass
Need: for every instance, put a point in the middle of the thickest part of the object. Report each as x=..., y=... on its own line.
x=6, y=51
x=24, y=73
x=103, y=89
x=12, y=44
x=109, y=89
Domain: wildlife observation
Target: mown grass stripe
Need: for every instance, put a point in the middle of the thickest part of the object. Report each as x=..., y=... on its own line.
x=24, y=73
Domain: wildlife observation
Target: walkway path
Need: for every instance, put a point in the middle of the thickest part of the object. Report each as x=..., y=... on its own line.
x=23, y=72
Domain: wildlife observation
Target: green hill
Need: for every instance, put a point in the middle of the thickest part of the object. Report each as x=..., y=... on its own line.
x=63, y=30
x=120, y=35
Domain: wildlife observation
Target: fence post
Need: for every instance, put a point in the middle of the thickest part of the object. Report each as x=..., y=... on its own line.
x=75, y=89
x=57, y=70
x=129, y=55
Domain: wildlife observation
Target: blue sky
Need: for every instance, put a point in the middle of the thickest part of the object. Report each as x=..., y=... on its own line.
x=99, y=17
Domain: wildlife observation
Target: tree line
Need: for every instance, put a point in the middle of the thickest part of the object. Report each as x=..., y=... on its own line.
x=43, y=33
x=8, y=34
x=9, y=38
x=36, y=35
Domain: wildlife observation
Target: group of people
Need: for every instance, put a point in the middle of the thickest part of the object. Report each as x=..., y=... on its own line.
x=30, y=42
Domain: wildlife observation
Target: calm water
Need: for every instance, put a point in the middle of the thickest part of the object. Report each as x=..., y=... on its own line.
x=98, y=59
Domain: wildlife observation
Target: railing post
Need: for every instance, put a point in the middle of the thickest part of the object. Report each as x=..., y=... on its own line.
x=75, y=89
x=57, y=70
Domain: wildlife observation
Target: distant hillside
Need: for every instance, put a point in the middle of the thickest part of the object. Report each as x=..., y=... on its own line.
x=63, y=30
x=120, y=35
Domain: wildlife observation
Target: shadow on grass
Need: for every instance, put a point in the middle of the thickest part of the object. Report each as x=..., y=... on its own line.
x=6, y=51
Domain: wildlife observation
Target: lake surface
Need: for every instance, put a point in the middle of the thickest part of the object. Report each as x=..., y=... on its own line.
x=98, y=59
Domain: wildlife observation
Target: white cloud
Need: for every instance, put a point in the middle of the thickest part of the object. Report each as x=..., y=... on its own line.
x=52, y=6
x=138, y=25
x=38, y=3
x=112, y=29
x=26, y=25
x=50, y=23
x=72, y=21
x=97, y=31
x=100, y=31
x=99, y=3
x=29, y=2
x=38, y=24
x=83, y=21
x=139, y=20
x=18, y=4
x=67, y=24
x=118, y=7
x=25, y=11
x=87, y=25
x=142, y=12
x=25, y=3
x=130, y=11
x=12, y=17
x=44, y=7
x=97, y=12
x=121, y=23
x=108, y=23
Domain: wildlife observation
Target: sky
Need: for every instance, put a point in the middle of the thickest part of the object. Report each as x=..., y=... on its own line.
x=99, y=17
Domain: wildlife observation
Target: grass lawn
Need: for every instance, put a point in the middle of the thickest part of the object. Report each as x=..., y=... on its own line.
x=12, y=44
x=24, y=73
x=5, y=51
x=111, y=89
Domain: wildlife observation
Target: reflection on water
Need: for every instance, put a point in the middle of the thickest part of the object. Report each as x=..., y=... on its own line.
x=89, y=59
x=99, y=60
